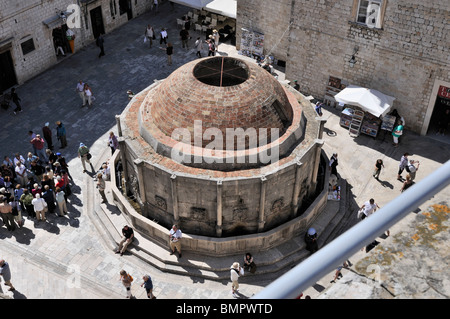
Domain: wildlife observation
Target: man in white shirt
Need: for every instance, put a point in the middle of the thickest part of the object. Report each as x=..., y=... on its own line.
x=80, y=90
x=18, y=158
x=369, y=208
x=163, y=36
x=39, y=207
x=175, y=236
x=21, y=172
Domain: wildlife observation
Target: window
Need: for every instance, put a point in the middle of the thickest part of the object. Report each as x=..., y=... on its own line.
x=370, y=12
x=27, y=46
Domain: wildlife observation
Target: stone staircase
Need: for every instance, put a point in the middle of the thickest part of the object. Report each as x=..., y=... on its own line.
x=271, y=263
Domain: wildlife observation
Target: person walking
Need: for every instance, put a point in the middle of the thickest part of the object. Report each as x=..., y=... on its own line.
x=216, y=38
x=39, y=207
x=377, y=170
x=368, y=208
x=402, y=165
x=175, y=236
x=126, y=279
x=211, y=47
x=148, y=285
x=100, y=43
x=16, y=99
x=6, y=212
x=155, y=6
x=61, y=201
x=101, y=185
x=127, y=239
x=113, y=142
x=333, y=164
x=88, y=93
x=318, y=107
x=80, y=90
x=47, y=133
x=5, y=272
x=83, y=154
x=235, y=272
x=61, y=134
x=149, y=34
x=199, y=47
x=163, y=36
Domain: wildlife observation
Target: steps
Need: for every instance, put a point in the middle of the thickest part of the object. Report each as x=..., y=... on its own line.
x=355, y=125
x=271, y=264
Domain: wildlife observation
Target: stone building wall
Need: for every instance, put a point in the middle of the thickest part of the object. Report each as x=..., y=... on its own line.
x=405, y=58
x=24, y=20
x=269, y=17
x=194, y=198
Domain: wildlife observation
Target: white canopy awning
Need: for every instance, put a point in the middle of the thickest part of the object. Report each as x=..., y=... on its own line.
x=369, y=100
x=226, y=8
x=223, y=7
x=196, y=4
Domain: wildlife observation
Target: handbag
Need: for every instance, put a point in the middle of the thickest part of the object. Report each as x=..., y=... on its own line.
x=360, y=213
x=89, y=156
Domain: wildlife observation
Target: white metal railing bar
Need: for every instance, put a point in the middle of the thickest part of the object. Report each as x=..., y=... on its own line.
x=329, y=257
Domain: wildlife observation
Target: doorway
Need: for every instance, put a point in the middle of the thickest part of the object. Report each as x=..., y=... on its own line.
x=97, y=22
x=60, y=40
x=7, y=73
x=441, y=105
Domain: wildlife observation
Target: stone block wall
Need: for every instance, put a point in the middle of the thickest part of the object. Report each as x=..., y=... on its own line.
x=269, y=17
x=404, y=58
x=23, y=20
x=220, y=246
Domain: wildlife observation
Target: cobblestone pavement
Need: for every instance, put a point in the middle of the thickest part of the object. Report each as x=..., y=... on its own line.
x=65, y=257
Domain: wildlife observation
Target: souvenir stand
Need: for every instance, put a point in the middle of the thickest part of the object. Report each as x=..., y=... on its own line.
x=370, y=125
x=346, y=117
x=374, y=104
x=252, y=43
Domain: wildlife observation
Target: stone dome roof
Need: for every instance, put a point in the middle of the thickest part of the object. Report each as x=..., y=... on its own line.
x=222, y=93
x=216, y=95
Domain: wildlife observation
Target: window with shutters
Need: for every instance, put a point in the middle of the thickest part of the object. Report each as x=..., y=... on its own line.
x=369, y=12
x=27, y=46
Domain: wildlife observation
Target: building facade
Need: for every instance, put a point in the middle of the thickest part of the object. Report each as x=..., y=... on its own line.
x=398, y=47
x=31, y=31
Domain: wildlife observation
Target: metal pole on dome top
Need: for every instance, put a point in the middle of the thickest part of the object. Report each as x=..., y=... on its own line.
x=340, y=249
